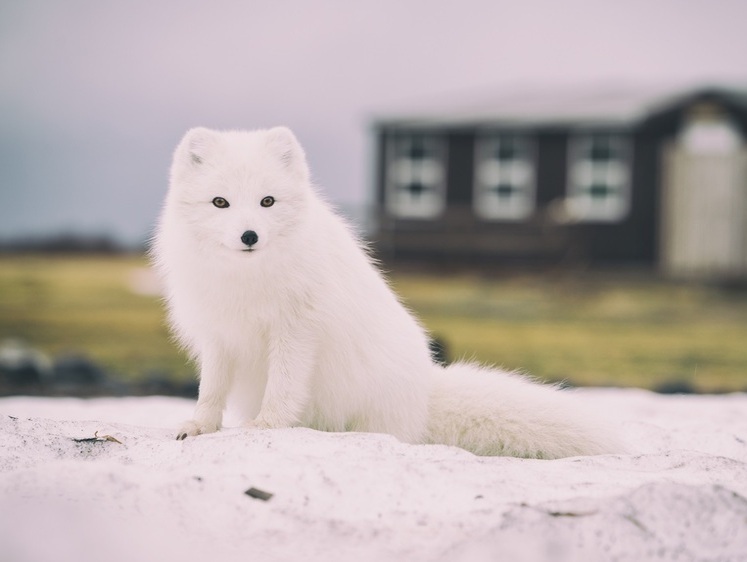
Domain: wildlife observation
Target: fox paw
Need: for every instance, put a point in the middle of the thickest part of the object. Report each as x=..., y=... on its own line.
x=261, y=422
x=256, y=424
x=193, y=428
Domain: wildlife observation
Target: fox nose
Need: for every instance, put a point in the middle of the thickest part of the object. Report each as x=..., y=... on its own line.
x=249, y=238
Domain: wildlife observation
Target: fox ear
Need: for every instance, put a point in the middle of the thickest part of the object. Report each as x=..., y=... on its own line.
x=196, y=145
x=284, y=144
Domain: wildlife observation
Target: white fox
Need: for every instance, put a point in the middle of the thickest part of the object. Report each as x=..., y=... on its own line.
x=280, y=305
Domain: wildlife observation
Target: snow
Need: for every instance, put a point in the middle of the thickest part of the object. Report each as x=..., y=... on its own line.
x=679, y=494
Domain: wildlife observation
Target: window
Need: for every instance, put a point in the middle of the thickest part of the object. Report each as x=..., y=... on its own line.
x=416, y=176
x=504, y=177
x=598, y=182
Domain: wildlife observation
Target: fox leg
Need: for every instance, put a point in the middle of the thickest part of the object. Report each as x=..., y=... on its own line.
x=216, y=377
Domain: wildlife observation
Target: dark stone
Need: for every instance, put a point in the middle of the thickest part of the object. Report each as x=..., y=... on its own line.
x=77, y=370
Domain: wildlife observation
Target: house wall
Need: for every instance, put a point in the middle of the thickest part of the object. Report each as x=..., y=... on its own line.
x=703, y=200
x=552, y=166
x=460, y=168
x=633, y=240
x=458, y=236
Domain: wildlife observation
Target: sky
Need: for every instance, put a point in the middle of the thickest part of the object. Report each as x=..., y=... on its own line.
x=95, y=94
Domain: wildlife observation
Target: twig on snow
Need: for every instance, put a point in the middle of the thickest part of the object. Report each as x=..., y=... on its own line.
x=258, y=494
x=98, y=439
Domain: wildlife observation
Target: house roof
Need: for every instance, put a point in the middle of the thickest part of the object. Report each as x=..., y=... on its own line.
x=619, y=106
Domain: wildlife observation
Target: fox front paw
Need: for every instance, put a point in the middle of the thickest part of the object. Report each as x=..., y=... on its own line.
x=257, y=424
x=264, y=422
x=193, y=428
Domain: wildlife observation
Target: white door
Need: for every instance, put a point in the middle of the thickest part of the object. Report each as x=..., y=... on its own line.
x=704, y=202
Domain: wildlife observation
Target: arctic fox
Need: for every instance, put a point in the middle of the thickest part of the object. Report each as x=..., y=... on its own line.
x=280, y=305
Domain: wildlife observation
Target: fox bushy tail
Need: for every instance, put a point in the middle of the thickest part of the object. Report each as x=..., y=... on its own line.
x=493, y=412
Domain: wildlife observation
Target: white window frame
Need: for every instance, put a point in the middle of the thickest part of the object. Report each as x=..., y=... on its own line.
x=599, y=190
x=516, y=175
x=403, y=172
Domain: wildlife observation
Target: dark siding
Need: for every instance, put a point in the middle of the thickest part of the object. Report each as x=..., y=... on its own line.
x=633, y=240
x=460, y=168
x=380, y=155
x=552, y=165
x=458, y=236
x=646, y=197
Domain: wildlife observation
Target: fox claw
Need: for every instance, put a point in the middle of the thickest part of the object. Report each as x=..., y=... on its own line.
x=194, y=428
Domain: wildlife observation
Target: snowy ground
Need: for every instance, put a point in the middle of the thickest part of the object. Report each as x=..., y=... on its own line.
x=680, y=494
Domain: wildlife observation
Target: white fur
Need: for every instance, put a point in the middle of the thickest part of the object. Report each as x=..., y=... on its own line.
x=305, y=331
x=491, y=412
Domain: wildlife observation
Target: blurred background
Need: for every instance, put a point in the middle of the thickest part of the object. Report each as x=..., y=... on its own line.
x=555, y=187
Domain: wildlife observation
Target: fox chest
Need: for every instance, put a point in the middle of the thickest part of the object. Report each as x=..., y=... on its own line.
x=239, y=315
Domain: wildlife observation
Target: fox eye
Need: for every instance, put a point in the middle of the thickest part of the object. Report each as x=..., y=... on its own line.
x=220, y=202
x=268, y=201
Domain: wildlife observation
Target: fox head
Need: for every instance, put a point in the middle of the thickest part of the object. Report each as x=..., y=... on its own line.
x=240, y=191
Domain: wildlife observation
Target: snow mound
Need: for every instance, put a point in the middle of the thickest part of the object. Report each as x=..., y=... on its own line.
x=104, y=479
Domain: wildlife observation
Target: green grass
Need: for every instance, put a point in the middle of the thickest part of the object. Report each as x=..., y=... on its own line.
x=590, y=332
x=597, y=332
x=85, y=305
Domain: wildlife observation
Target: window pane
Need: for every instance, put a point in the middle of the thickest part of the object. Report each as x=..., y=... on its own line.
x=504, y=177
x=415, y=176
x=598, y=177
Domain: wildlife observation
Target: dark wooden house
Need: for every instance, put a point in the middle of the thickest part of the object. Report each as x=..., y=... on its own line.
x=653, y=181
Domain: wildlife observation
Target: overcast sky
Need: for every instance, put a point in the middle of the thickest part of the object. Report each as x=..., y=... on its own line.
x=95, y=94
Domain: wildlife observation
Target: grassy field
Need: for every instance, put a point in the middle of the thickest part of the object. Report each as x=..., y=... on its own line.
x=87, y=305
x=590, y=332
